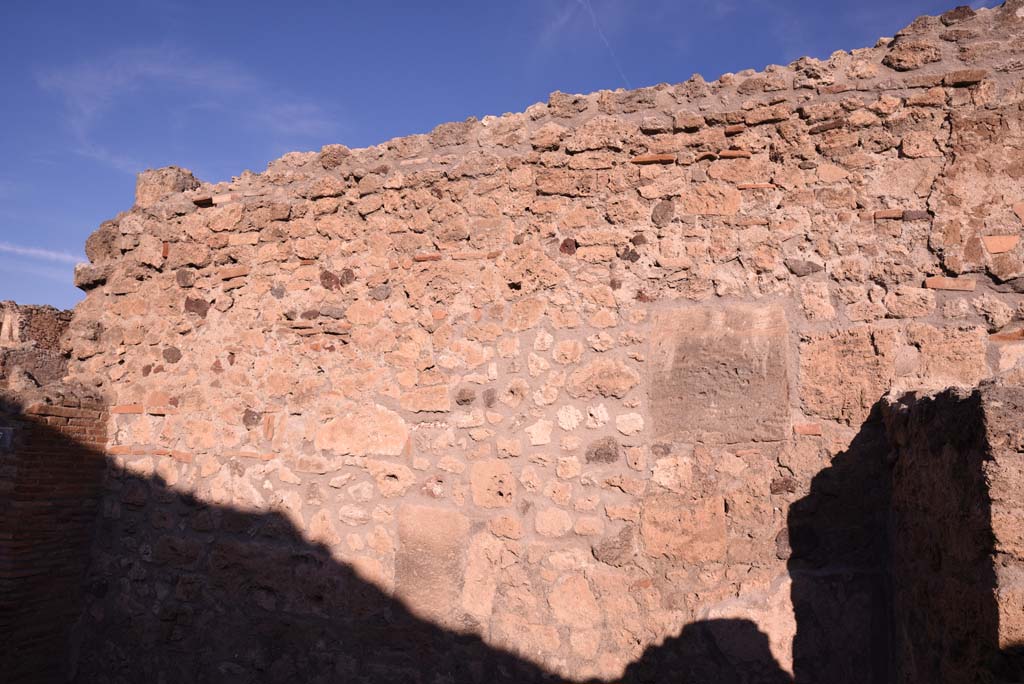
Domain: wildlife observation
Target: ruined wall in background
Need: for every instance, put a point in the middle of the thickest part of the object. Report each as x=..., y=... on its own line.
x=31, y=354
x=51, y=466
x=571, y=382
x=957, y=517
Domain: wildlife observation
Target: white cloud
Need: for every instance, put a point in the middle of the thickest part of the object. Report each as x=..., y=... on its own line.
x=579, y=17
x=604, y=39
x=94, y=90
x=64, y=276
x=40, y=253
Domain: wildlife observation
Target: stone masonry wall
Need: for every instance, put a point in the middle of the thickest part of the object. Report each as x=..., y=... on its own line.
x=31, y=352
x=575, y=383
x=957, y=517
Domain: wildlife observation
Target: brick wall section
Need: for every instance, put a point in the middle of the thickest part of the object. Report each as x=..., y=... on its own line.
x=956, y=523
x=49, y=492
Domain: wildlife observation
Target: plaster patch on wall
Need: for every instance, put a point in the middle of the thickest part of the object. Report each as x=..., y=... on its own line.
x=719, y=375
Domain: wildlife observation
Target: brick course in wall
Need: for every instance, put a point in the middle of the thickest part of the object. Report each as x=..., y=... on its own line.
x=50, y=488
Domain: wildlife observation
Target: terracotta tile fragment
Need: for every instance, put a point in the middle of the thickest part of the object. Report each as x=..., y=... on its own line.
x=654, y=159
x=945, y=283
x=234, y=272
x=1018, y=209
x=998, y=244
x=809, y=429
x=1008, y=336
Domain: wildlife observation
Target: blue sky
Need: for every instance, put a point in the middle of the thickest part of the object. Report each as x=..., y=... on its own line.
x=95, y=91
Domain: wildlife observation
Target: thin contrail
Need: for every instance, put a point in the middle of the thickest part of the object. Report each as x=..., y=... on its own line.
x=604, y=39
x=38, y=253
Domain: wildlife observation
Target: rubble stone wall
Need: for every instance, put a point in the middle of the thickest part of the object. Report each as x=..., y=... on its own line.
x=957, y=516
x=560, y=381
x=31, y=352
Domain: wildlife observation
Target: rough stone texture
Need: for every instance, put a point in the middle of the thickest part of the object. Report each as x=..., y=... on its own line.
x=31, y=352
x=719, y=374
x=554, y=391
x=958, y=557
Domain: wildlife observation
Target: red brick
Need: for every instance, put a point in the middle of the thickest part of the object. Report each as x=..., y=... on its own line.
x=734, y=154
x=944, y=283
x=810, y=429
x=233, y=272
x=654, y=159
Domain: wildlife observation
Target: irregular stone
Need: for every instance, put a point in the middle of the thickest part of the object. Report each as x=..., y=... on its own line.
x=492, y=484
x=435, y=399
x=552, y=522
x=617, y=550
x=864, y=357
x=430, y=561
x=663, y=212
x=604, y=450
x=153, y=185
x=998, y=244
x=910, y=54
x=710, y=199
x=910, y=302
x=801, y=267
x=540, y=432
x=569, y=418
x=602, y=377
x=680, y=529
x=573, y=602
x=363, y=431
x=629, y=423
x=393, y=479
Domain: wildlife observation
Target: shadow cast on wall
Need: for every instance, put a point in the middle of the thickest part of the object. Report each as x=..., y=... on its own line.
x=179, y=590
x=838, y=565
x=220, y=595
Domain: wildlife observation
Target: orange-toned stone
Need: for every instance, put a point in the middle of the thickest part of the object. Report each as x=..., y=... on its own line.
x=888, y=214
x=998, y=244
x=944, y=283
x=1018, y=209
x=964, y=77
x=234, y=272
x=128, y=408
